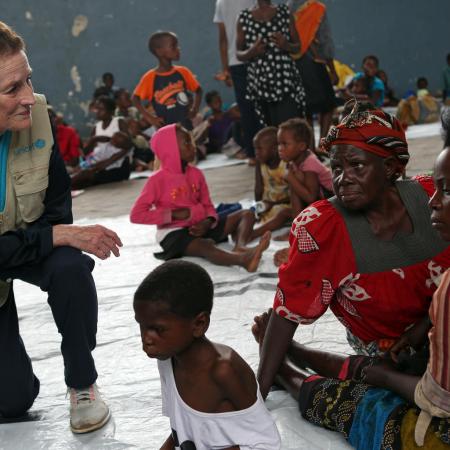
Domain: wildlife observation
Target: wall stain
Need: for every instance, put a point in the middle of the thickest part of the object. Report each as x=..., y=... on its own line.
x=80, y=23
x=76, y=79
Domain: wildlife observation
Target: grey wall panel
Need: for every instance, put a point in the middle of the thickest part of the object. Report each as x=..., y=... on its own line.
x=71, y=43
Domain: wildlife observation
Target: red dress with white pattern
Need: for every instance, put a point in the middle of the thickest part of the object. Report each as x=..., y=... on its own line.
x=376, y=288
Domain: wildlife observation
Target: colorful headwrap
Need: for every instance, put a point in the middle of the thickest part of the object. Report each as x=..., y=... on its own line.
x=373, y=131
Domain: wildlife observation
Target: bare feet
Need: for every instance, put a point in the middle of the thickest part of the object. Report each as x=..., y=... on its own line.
x=282, y=237
x=281, y=256
x=260, y=325
x=252, y=257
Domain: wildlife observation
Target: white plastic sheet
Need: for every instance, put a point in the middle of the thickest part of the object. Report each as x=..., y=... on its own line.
x=128, y=379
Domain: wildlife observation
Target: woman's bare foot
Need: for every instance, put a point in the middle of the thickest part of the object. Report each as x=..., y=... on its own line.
x=282, y=237
x=252, y=257
x=281, y=256
x=260, y=325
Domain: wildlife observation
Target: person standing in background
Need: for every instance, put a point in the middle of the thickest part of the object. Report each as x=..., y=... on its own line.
x=266, y=38
x=315, y=56
x=446, y=83
x=234, y=72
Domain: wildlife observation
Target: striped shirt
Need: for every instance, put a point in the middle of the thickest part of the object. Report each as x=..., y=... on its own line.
x=439, y=335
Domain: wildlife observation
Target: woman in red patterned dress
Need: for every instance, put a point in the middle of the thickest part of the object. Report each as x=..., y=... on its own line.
x=370, y=253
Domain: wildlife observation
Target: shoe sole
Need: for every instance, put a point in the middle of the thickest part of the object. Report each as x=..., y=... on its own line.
x=93, y=427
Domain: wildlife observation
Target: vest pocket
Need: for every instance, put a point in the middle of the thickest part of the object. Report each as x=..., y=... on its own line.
x=30, y=187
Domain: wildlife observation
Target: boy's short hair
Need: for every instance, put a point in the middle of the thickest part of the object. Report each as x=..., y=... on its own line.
x=10, y=41
x=373, y=58
x=107, y=75
x=300, y=128
x=156, y=39
x=107, y=102
x=209, y=96
x=267, y=133
x=185, y=287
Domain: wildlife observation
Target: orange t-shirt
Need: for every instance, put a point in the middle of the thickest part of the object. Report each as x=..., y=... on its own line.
x=167, y=92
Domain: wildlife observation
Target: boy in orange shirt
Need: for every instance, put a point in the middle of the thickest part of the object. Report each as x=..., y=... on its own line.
x=165, y=87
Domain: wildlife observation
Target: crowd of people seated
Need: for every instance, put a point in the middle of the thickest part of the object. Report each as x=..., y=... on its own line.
x=364, y=242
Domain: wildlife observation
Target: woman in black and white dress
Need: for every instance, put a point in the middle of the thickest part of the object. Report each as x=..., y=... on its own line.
x=266, y=36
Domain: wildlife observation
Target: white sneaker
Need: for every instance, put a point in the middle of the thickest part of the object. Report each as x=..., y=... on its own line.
x=88, y=412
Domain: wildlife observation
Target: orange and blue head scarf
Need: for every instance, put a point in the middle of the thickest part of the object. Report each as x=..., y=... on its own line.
x=373, y=131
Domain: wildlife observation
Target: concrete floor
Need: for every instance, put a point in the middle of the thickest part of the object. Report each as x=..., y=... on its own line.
x=227, y=184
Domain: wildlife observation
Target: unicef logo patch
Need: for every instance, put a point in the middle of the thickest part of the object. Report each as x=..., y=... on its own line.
x=40, y=143
x=37, y=144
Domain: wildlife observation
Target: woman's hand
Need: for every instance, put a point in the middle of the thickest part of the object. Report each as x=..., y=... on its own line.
x=94, y=239
x=280, y=40
x=258, y=48
x=414, y=337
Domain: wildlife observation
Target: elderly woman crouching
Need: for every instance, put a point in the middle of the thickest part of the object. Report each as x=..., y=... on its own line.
x=39, y=245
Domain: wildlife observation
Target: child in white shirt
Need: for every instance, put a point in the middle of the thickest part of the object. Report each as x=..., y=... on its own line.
x=209, y=392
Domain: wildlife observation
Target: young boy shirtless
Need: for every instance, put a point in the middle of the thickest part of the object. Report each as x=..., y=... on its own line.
x=209, y=392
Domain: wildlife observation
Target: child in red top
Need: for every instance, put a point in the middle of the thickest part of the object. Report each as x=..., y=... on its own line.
x=165, y=87
x=176, y=199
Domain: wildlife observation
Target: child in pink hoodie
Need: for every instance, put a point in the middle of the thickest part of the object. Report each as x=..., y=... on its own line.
x=176, y=199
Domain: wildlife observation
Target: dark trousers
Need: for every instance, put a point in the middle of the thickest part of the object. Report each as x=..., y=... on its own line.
x=66, y=276
x=249, y=120
x=276, y=113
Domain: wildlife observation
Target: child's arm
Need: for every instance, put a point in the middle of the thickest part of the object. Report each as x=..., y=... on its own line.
x=243, y=54
x=375, y=98
x=145, y=212
x=197, y=100
x=102, y=165
x=259, y=184
x=304, y=185
x=169, y=444
x=93, y=141
x=150, y=118
x=204, y=208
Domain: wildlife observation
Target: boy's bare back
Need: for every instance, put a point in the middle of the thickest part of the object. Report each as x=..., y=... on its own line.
x=217, y=380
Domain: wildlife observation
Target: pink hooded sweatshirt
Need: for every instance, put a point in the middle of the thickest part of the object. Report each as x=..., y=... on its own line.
x=170, y=188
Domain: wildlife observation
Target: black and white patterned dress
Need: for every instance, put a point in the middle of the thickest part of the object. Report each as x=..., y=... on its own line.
x=272, y=76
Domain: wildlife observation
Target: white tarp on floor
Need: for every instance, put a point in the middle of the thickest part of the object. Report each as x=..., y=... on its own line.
x=127, y=378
